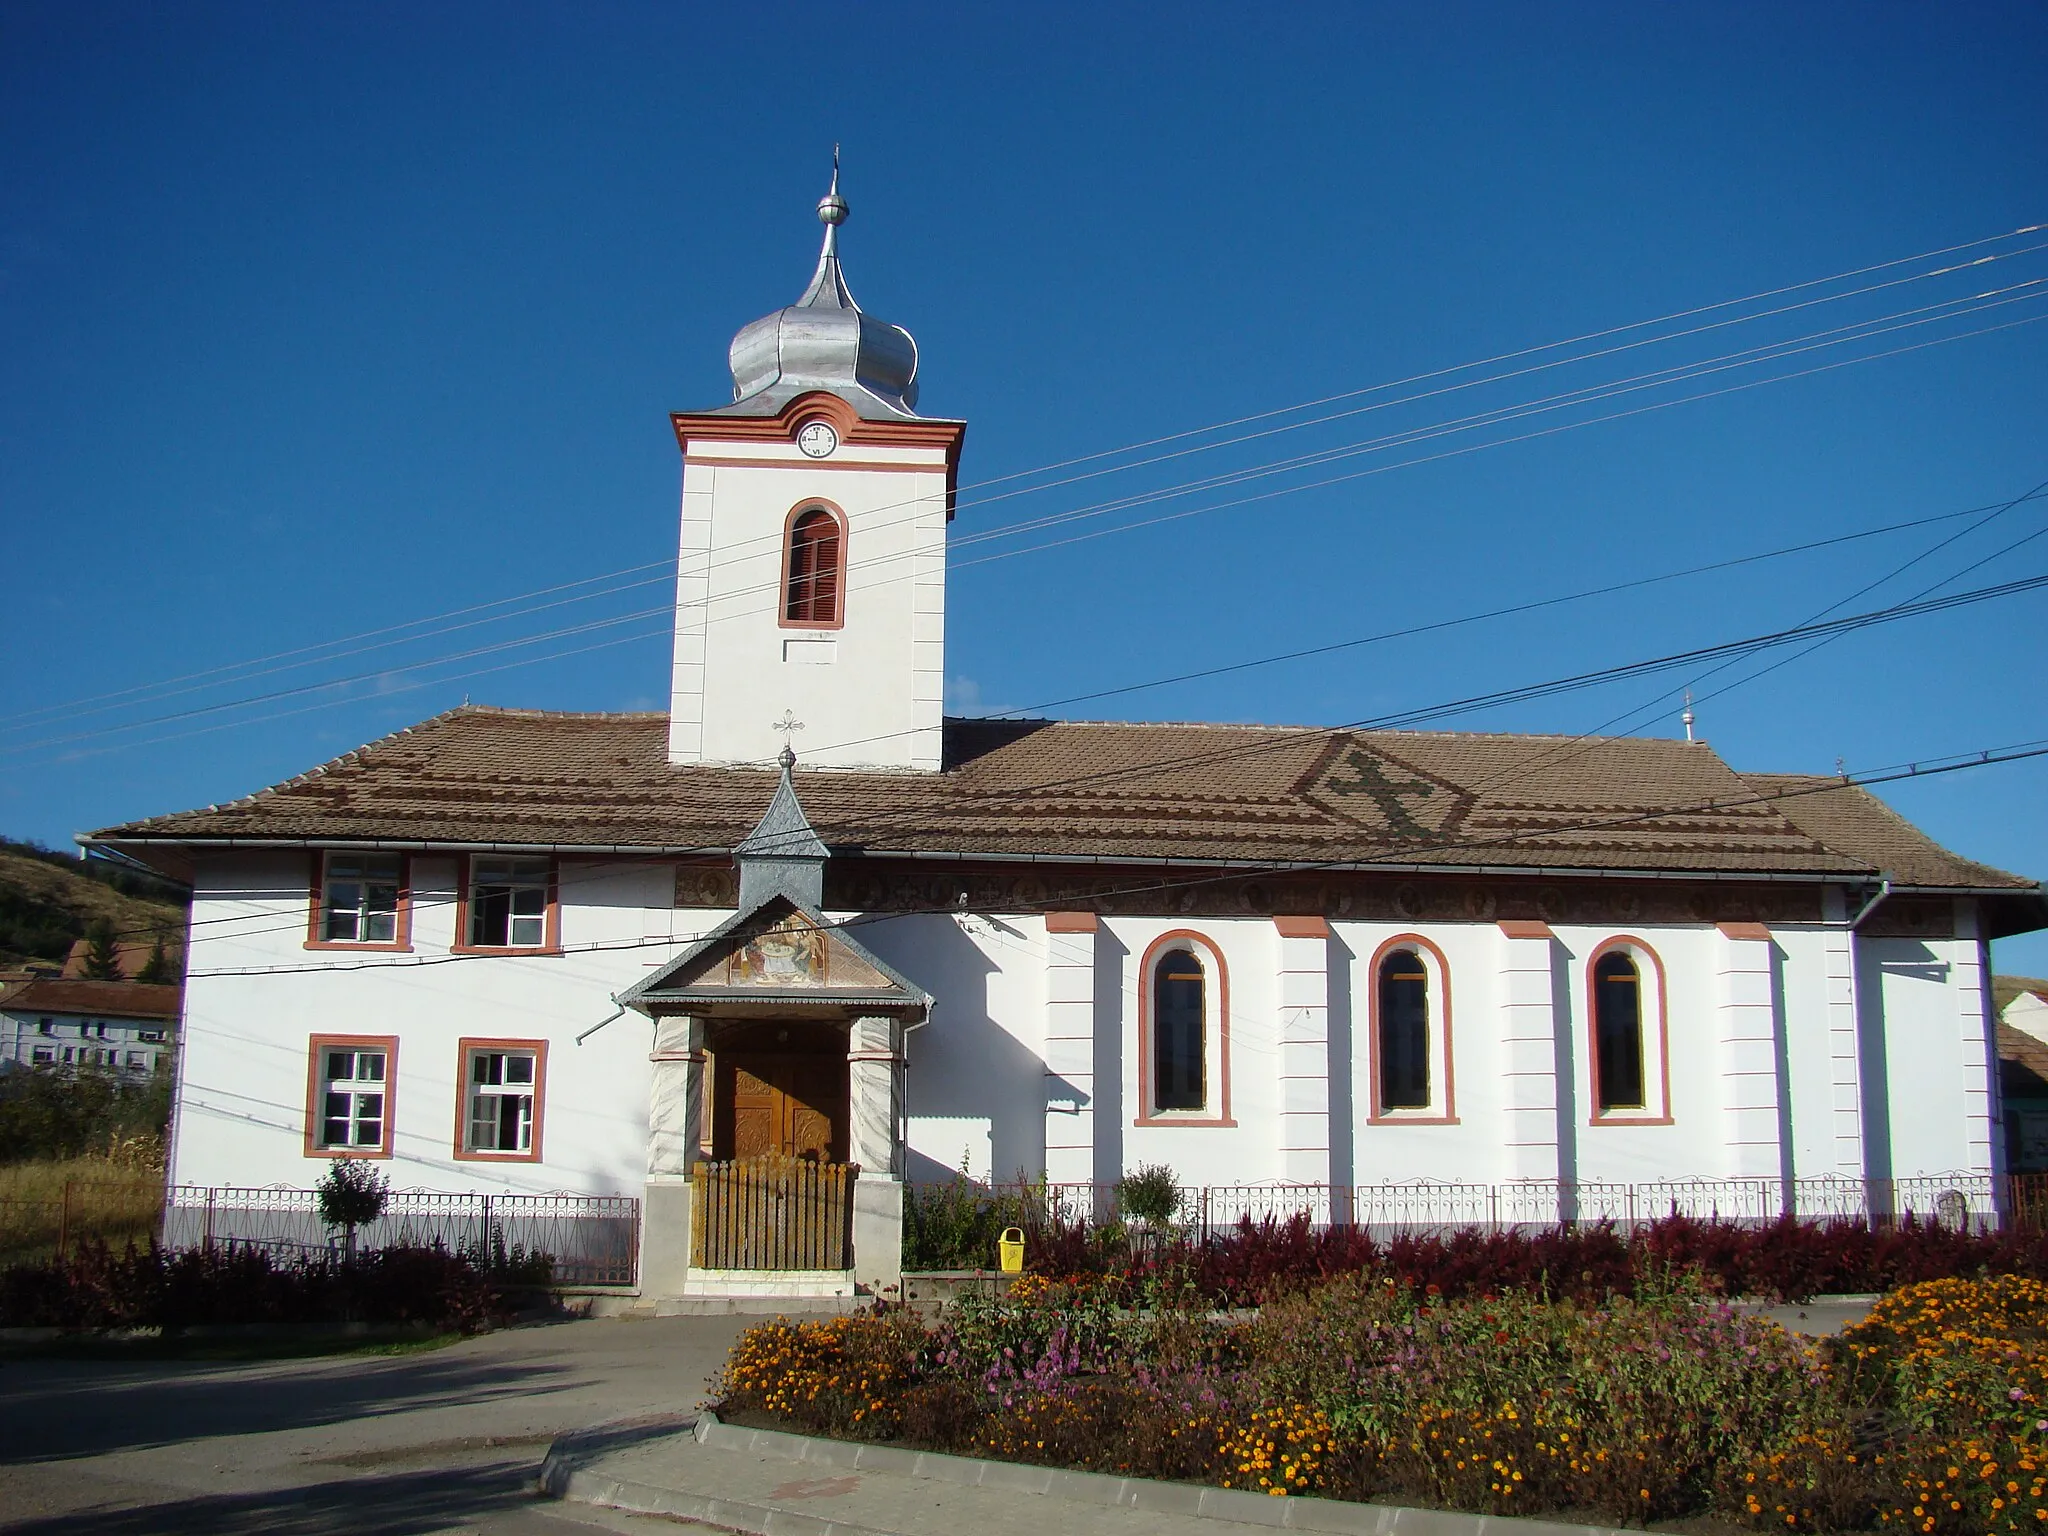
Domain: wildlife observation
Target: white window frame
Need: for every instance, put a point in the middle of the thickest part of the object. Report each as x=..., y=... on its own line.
x=1650, y=1023
x=501, y=1079
x=352, y=1091
x=361, y=918
x=1442, y=1108
x=1215, y=1110
x=530, y=886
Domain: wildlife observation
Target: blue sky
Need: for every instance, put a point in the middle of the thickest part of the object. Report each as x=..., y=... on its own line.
x=316, y=321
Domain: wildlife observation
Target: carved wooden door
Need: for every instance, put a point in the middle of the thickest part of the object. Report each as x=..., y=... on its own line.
x=777, y=1105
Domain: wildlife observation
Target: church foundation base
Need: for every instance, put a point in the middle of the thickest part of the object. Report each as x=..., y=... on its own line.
x=665, y=1236
x=878, y=1235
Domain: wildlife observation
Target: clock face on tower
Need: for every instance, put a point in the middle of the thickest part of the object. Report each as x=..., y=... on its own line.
x=817, y=439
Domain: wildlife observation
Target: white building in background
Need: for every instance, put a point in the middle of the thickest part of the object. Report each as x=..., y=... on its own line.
x=127, y=1028
x=2028, y=1013
x=524, y=951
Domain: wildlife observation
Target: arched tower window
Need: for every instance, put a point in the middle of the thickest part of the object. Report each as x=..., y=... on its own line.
x=814, y=566
x=1404, y=1031
x=1619, y=1081
x=1179, y=1031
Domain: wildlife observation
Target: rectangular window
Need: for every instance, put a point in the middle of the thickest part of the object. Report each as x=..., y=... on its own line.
x=151, y=1036
x=349, y=1096
x=70, y=1055
x=136, y=1061
x=509, y=903
x=503, y=1085
x=362, y=900
x=46, y=1027
x=45, y=1055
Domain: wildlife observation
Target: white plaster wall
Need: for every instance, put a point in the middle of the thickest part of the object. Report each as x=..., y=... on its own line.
x=1809, y=1046
x=1469, y=1152
x=978, y=1057
x=976, y=1070
x=1912, y=1058
x=242, y=1101
x=869, y=694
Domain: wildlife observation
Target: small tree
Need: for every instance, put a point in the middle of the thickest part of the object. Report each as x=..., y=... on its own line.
x=1150, y=1194
x=102, y=952
x=156, y=970
x=352, y=1195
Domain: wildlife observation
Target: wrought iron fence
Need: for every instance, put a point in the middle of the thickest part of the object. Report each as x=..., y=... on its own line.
x=592, y=1239
x=1963, y=1200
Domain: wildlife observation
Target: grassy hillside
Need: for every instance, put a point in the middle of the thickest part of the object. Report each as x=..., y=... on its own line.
x=47, y=898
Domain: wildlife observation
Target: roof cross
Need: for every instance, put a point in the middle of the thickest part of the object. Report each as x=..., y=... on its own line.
x=788, y=726
x=1385, y=793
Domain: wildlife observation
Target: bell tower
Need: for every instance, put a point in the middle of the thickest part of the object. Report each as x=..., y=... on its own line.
x=811, y=584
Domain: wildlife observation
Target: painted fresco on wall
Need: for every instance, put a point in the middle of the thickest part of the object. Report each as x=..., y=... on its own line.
x=791, y=954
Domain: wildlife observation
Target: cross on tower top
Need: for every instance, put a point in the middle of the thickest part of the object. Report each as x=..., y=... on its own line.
x=787, y=727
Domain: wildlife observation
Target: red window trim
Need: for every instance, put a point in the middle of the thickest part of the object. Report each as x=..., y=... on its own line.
x=551, y=933
x=540, y=1097
x=1375, y=1114
x=838, y=620
x=1650, y=1114
x=317, y=900
x=1183, y=938
x=318, y=1045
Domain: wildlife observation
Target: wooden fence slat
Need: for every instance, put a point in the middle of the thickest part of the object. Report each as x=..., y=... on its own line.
x=772, y=1213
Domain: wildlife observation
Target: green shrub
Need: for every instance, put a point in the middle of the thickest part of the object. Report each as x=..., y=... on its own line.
x=1149, y=1193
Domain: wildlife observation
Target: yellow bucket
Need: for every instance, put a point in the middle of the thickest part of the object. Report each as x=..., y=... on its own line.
x=1011, y=1246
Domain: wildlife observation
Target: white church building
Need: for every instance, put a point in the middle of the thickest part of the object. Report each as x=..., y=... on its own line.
x=1446, y=976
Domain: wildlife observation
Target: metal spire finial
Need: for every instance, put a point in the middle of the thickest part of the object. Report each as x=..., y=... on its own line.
x=788, y=725
x=832, y=208
x=1687, y=717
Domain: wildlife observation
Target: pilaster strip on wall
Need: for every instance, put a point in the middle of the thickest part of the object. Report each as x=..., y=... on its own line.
x=1304, y=987
x=1069, y=1053
x=1748, y=1028
x=1531, y=1099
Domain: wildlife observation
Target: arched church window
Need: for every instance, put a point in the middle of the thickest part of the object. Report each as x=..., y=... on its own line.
x=1179, y=1032
x=814, y=568
x=1619, y=1081
x=1404, y=1031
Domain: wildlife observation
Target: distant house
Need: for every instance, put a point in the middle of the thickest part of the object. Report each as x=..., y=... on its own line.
x=131, y=956
x=2028, y=1013
x=2023, y=1086
x=117, y=1026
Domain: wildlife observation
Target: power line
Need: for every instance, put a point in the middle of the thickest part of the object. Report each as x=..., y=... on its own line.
x=1960, y=762
x=1893, y=574
x=970, y=803
x=1366, y=640
x=1202, y=431
x=897, y=558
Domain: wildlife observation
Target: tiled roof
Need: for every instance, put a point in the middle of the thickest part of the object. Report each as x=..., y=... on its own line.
x=2017, y=1048
x=1092, y=790
x=1844, y=816
x=101, y=999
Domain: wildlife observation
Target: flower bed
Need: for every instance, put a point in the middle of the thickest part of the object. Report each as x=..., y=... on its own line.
x=148, y=1288
x=1788, y=1259
x=1668, y=1404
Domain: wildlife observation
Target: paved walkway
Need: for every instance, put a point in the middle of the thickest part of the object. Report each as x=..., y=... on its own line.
x=775, y=1484
x=444, y=1441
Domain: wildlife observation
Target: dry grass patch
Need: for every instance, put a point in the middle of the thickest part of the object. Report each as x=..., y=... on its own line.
x=117, y=1199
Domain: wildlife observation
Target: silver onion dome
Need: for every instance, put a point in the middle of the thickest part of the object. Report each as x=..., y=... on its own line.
x=823, y=341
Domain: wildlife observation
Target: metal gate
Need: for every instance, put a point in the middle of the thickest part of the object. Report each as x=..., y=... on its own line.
x=772, y=1213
